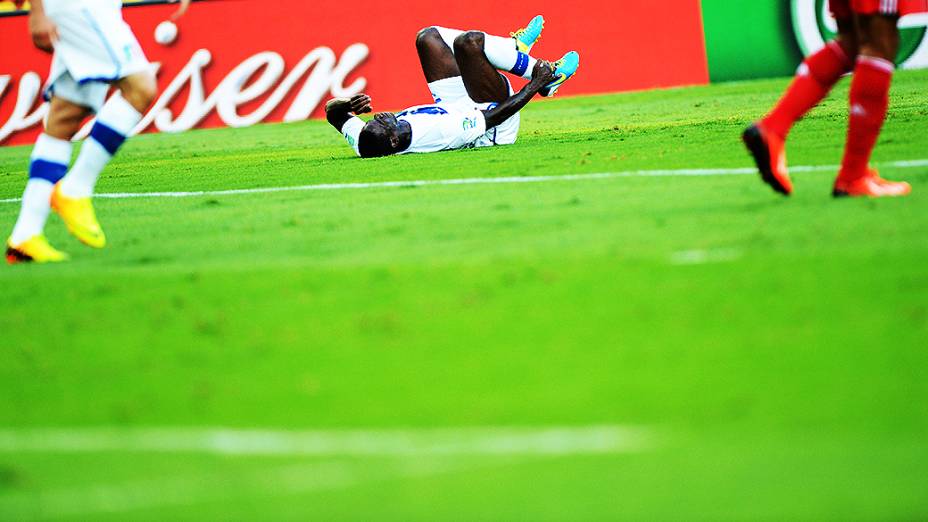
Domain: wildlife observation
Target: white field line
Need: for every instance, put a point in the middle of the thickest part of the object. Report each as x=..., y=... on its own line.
x=173, y=492
x=482, y=181
x=486, y=441
x=411, y=453
x=703, y=257
x=211, y=486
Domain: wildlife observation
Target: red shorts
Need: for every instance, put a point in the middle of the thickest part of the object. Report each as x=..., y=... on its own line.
x=844, y=8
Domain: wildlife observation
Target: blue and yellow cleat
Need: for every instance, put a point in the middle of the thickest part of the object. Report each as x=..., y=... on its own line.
x=528, y=36
x=79, y=217
x=564, y=69
x=33, y=250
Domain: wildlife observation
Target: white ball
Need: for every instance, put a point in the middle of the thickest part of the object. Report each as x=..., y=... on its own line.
x=166, y=32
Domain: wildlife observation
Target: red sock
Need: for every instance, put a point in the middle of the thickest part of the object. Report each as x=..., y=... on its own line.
x=869, y=101
x=815, y=77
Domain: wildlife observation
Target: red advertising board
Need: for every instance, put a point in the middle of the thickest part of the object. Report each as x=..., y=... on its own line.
x=239, y=62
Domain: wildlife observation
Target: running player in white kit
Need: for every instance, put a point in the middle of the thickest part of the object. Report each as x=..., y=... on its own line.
x=93, y=48
x=474, y=104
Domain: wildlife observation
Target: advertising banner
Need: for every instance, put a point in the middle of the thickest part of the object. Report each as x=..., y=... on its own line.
x=241, y=62
x=813, y=25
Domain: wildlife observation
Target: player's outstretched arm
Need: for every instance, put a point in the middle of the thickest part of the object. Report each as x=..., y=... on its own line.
x=542, y=75
x=340, y=110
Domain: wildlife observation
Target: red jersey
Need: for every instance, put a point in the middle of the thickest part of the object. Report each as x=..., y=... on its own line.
x=844, y=8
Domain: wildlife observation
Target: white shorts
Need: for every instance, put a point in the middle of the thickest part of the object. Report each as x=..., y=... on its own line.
x=452, y=92
x=94, y=49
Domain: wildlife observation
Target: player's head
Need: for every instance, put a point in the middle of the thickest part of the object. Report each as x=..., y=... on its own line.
x=380, y=136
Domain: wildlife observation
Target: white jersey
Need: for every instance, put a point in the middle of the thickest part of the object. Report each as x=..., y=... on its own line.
x=436, y=127
x=53, y=7
x=95, y=47
x=451, y=92
x=454, y=121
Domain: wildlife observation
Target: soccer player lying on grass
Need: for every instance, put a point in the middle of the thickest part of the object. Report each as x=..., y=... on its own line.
x=474, y=104
x=82, y=34
x=867, y=43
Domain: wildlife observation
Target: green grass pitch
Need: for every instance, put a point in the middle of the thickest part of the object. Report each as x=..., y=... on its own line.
x=770, y=352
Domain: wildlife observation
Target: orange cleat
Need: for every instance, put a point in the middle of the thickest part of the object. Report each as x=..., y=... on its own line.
x=870, y=185
x=769, y=153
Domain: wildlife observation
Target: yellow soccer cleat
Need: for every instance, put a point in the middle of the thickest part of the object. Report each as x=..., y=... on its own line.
x=34, y=250
x=79, y=217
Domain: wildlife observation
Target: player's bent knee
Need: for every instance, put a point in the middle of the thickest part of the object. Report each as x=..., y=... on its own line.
x=139, y=90
x=469, y=40
x=147, y=90
x=427, y=36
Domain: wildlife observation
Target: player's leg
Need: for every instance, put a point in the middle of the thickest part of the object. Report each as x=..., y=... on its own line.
x=435, y=54
x=481, y=77
x=48, y=164
x=88, y=38
x=505, y=53
x=814, y=80
x=436, y=47
x=869, y=102
x=139, y=90
x=114, y=123
x=479, y=52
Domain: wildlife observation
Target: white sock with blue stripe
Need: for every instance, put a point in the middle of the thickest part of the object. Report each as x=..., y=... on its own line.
x=503, y=54
x=114, y=122
x=47, y=165
x=500, y=51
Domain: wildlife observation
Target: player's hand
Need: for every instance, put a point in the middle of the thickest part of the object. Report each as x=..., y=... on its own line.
x=358, y=104
x=361, y=104
x=543, y=73
x=44, y=32
x=184, y=4
x=335, y=105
